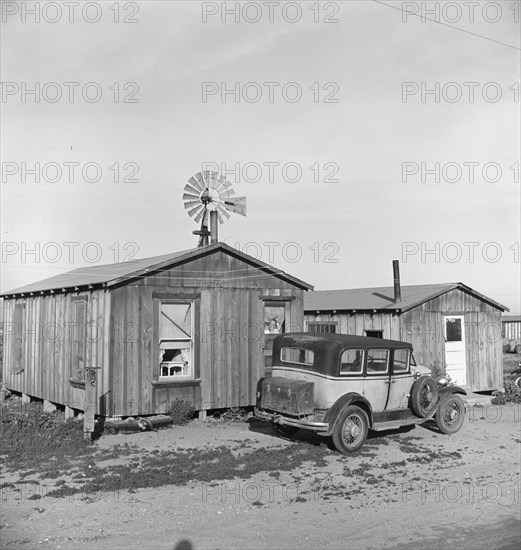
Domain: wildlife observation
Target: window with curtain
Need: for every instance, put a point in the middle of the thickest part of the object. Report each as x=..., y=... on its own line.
x=175, y=340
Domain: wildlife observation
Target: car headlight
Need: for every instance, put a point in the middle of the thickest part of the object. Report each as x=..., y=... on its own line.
x=442, y=381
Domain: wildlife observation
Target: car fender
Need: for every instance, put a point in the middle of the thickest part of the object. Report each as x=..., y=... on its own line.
x=350, y=398
x=449, y=390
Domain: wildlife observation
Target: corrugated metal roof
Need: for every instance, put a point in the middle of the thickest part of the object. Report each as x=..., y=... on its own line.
x=116, y=273
x=511, y=318
x=382, y=298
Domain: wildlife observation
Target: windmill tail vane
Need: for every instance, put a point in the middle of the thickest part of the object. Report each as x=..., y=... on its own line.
x=208, y=197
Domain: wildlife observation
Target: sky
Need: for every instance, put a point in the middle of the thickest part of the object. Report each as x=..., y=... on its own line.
x=358, y=131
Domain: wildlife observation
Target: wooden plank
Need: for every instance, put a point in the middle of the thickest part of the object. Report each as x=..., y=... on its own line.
x=131, y=402
x=145, y=364
x=118, y=326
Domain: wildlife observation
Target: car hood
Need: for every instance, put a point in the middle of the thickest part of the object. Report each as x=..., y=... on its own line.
x=421, y=370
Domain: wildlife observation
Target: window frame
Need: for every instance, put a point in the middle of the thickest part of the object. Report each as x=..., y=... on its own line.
x=387, y=364
x=316, y=324
x=190, y=339
x=17, y=348
x=305, y=350
x=353, y=373
x=374, y=330
x=409, y=355
x=74, y=379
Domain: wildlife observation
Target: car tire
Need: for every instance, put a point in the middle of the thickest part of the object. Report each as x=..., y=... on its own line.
x=424, y=396
x=450, y=414
x=350, y=430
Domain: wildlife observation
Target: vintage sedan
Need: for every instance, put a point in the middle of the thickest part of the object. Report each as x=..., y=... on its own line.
x=341, y=386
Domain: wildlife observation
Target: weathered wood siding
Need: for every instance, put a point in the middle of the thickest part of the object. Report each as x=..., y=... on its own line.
x=46, y=346
x=358, y=323
x=228, y=295
x=122, y=338
x=423, y=326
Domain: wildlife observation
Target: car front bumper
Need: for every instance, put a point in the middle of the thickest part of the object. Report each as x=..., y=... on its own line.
x=304, y=423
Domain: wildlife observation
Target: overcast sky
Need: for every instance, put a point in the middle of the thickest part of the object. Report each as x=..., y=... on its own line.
x=347, y=99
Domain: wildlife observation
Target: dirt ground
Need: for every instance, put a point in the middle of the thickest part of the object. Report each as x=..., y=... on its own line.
x=405, y=489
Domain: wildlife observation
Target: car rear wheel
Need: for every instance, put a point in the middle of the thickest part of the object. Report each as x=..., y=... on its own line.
x=351, y=429
x=450, y=414
x=424, y=396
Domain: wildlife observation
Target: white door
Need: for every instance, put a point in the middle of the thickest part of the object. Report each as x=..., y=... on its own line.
x=455, y=357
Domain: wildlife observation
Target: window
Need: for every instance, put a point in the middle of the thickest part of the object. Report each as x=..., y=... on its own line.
x=377, y=361
x=453, y=330
x=401, y=360
x=297, y=355
x=175, y=340
x=274, y=321
x=18, y=330
x=352, y=361
x=374, y=333
x=322, y=327
x=79, y=326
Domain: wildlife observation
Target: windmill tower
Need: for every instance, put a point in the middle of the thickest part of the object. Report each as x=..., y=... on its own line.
x=208, y=198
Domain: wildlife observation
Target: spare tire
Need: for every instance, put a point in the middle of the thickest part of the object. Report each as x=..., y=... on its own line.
x=424, y=396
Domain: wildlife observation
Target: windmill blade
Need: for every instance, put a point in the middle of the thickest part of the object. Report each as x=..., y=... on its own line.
x=195, y=210
x=211, y=180
x=221, y=211
x=200, y=215
x=191, y=189
x=191, y=204
x=197, y=182
x=225, y=186
x=236, y=204
x=191, y=196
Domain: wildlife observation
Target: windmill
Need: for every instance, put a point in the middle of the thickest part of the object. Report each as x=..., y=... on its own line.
x=208, y=198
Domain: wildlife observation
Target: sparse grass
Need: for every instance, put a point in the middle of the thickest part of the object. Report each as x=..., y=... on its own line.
x=511, y=394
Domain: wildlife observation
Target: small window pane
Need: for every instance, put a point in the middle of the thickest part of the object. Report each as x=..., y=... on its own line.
x=377, y=361
x=401, y=360
x=453, y=330
x=352, y=361
x=175, y=321
x=297, y=355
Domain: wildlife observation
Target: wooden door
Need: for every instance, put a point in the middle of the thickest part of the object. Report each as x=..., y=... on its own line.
x=455, y=359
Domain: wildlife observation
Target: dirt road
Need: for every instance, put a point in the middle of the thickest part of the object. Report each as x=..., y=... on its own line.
x=403, y=490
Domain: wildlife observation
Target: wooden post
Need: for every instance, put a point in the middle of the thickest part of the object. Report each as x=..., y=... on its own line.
x=26, y=398
x=202, y=415
x=48, y=406
x=69, y=412
x=91, y=392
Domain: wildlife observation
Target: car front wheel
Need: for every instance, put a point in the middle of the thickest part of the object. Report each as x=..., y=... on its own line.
x=351, y=429
x=450, y=415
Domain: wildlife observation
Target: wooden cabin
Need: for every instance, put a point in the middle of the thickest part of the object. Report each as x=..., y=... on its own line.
x=454, y=329
x=128, y=338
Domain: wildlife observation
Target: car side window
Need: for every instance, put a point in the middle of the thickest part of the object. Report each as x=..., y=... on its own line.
x=352, y=362
x=377, y=361
x=401, y=361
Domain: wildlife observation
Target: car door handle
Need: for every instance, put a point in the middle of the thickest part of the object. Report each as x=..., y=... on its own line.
x=390, y=381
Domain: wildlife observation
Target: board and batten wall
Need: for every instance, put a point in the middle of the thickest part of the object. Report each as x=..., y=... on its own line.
x=423, y=327
x=44, y=332
x=122, y=342
x=228, y=335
